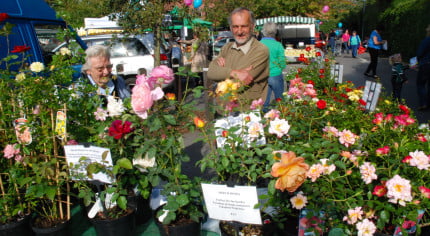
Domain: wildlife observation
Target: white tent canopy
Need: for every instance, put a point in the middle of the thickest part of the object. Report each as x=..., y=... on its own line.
x=287, y=20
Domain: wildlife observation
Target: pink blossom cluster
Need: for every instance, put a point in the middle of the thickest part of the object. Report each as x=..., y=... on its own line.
x=322, y=168
x=148, y=89
x=346, y=137
x=399, y=121
x=11, y=150
x=298, y=89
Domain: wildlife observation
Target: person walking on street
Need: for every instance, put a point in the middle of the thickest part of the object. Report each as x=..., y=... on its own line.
x=398, y=76
x=374, y=46
x=246, y=59
x=423, y=77
x=331, y=38
x=277, y=63
x=354, y=42
x=345, y=42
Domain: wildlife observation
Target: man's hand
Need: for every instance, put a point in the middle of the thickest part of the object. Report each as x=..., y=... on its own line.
x=243, y=75
x=220, y=61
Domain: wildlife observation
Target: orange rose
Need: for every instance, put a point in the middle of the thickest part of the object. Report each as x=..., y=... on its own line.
x=199, y=122
x=170, y=96
x=291, y=171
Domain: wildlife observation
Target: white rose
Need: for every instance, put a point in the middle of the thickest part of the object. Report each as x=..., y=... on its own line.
x=143, y=163
x=37, y=67
x=114, y=106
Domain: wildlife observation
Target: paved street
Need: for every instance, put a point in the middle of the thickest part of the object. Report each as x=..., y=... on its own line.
x=355, y=67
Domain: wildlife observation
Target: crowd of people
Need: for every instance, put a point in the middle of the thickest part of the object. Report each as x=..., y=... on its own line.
x=258, y=63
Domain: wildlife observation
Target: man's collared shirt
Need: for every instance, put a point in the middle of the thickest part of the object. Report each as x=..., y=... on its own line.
x=103, y=91
x=244, y=48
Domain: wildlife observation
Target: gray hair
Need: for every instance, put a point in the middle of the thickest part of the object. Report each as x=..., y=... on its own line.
x=94, y=51
x=269, y=29
x=242, y=10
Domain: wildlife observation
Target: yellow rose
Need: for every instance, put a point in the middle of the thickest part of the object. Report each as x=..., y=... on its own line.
x=221, y=88
x=291, y=171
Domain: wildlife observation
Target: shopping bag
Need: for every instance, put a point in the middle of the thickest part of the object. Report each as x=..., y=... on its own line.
x=361, y=49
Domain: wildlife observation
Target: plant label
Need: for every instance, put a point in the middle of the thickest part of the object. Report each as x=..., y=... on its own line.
x=232, y=203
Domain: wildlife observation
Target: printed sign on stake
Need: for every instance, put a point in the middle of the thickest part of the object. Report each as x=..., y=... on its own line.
x=74, y=155
x=371, y=94
x=22, y=131
x=60, y=125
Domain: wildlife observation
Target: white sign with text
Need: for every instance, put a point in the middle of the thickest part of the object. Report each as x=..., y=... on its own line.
x=74, y=153
x=232, y=203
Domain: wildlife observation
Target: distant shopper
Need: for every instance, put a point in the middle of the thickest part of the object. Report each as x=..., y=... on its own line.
x=277, y=63
x=345, y=40
x=199, y=54
x=374, y=46
x=331, y=38
x=398, y=76
x=97, y=70
x=423, y=77
x=354, y=43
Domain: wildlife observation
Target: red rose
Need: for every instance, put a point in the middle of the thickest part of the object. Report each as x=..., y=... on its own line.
x=118, y=129
x=379, y=190
x=321, y=76
x=311, y=82
x=18, y=49
x=405, y=109
x=278, y=99
x=3, y=16
x=362, y=102
x=318, y=54
x=322, y=71
x=348, y=89
x=308, y=49
x=321, y=104
x=302, y=55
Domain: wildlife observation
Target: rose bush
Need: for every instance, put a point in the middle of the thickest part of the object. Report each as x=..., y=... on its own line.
x=34, y=174
x=356, y=171
x=144, y=134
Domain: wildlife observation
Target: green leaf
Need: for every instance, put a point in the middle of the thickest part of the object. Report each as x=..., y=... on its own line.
x=182, y=200
x=122, y=202
x=125, y=163
x=170, y=119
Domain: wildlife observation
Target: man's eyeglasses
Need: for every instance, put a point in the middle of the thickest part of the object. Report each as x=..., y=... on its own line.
x=101, y=68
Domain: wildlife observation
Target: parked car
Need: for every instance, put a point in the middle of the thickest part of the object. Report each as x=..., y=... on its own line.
x=219, y=43
x=129, y=55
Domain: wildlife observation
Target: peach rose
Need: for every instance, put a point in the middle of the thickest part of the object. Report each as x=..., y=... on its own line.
x=291, y=171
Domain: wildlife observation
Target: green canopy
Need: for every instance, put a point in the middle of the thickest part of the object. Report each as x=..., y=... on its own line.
x=198, y=21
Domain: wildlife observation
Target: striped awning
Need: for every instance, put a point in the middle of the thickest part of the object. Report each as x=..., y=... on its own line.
x=287, y=20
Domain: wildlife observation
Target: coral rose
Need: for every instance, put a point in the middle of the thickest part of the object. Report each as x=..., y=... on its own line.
x=291, y=171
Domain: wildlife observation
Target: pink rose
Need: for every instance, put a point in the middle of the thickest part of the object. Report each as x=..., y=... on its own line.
x=142, y=98
x=162, y=74
x=10, y=151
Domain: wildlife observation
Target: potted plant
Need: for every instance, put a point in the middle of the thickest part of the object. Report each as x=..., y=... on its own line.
x=31, y=126
x=128, y=128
